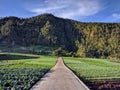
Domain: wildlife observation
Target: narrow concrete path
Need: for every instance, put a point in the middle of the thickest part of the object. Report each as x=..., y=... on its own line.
x=60, y=78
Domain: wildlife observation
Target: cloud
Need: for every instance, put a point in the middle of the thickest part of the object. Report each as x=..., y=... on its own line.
x=116, y=15
x=48, y=9
x=68, y=8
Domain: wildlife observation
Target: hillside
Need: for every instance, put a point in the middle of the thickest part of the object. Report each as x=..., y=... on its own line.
x=74, y=38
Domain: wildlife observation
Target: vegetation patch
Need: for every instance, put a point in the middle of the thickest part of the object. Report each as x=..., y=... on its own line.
x=20, y=79
x=100, y=40
x=94, y=71
x=21, y=72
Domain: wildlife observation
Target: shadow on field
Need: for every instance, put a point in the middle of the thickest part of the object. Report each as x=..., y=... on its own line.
x=15, y=57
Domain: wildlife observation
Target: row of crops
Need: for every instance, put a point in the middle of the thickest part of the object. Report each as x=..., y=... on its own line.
x=21, y=71
x=94, y=69
x=19, y=79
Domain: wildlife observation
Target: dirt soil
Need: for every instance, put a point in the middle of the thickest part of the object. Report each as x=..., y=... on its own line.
x=105, y=85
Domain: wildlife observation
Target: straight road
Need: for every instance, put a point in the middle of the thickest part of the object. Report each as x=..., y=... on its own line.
x=60, y=78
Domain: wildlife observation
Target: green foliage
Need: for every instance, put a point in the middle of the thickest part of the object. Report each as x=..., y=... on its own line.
x=100, y=39
x=59, y=52
x=6, y=28
x=83, y=39
x=94, y=69
x=46, y=29
x=20, y=79
x=20, y=74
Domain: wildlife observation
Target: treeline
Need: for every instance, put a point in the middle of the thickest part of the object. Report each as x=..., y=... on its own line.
x=74, y=38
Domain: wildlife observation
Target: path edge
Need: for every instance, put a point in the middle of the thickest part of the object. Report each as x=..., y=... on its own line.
x=86, y=87
x=34, y=85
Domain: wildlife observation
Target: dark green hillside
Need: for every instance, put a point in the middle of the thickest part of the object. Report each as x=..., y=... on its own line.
x=81, y=39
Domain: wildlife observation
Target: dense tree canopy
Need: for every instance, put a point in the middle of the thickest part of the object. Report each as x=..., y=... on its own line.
x=82, y=39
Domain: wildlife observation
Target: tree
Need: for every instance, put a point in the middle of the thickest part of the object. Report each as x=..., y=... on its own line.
x=6, y=28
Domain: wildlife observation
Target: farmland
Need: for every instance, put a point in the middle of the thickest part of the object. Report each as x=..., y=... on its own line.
x=21, y=71
x=95, y=70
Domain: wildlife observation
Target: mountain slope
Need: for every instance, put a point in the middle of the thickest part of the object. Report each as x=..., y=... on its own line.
x=83, y=39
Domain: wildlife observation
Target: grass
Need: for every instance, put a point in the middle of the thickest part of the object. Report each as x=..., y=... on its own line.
x=20, y=71
x=94, y=69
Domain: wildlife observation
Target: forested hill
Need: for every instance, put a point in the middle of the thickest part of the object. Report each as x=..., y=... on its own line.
x=78, y=38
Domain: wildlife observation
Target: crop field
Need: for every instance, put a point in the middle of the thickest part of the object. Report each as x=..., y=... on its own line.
x=94, y=70
x=21, y=71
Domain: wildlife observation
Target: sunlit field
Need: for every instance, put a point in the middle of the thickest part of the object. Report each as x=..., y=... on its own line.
x=94, y=69
x=98, y=74
x=21, y=71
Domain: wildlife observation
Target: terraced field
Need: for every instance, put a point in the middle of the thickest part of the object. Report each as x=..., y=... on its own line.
x=21, y=71
x=95, y=72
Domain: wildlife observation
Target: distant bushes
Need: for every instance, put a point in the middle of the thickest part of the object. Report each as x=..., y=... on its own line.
x=61, y=52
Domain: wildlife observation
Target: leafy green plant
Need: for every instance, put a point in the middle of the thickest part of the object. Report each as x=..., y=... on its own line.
x=21, y=74
x=90, y=69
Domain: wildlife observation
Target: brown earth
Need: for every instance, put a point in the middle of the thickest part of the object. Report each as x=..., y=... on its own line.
x=105, y=85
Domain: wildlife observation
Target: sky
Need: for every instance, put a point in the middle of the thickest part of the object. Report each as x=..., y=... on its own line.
x=80, y=10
